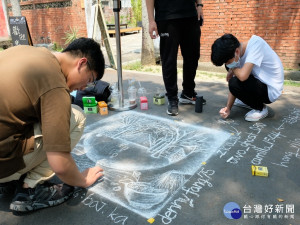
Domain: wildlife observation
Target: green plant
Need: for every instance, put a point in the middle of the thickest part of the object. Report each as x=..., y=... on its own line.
x=57, y=47
x=137, y=66
x=123, y=19
x=70, y=35
x=132, y=22
x=292, y=83
x=137, y=11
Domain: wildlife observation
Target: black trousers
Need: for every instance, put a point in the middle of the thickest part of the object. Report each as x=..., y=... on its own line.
x=252, y=91
x=185, y=33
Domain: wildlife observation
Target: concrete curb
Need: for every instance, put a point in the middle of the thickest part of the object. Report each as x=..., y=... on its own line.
x=292, y=75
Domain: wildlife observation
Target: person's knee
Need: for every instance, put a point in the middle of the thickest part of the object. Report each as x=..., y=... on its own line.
x=77, y=116
x=233, y=85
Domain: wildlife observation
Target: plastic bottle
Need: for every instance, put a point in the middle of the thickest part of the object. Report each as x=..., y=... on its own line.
x=114, y=99
x=141, y=91
x=132, y=95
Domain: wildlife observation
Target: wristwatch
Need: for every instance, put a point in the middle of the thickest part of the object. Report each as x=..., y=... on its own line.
x=200, y=5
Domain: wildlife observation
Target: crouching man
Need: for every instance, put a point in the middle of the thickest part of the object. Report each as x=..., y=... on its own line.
x=255, y=74
x=38, y=125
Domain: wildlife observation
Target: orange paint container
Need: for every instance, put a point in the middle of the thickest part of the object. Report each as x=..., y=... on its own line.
x=102, y=108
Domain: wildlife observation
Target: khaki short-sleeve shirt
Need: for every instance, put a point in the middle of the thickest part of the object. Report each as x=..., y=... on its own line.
x=33, y=89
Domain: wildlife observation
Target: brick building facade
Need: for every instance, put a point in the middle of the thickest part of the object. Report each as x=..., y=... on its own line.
x=49, y=20
x=277, y=21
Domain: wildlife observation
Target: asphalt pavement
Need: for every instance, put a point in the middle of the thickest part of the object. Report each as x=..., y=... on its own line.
x=194, y=168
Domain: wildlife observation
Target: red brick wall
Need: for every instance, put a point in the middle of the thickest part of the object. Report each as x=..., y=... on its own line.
x=277, y=21
x=125, y=15
x=54, y=22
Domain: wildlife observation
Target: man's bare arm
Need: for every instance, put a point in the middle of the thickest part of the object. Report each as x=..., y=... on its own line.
x=152, y=23
x=64, y=166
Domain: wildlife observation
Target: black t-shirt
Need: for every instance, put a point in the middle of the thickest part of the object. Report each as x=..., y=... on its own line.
x=174, y=9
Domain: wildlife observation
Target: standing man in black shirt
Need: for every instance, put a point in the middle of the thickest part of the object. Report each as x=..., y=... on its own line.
x=177, y=23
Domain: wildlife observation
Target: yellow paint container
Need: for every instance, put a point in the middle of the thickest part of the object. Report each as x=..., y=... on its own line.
x=151, y=220
x=260, y=171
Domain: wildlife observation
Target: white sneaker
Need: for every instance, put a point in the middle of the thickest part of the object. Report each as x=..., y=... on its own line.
x=239, y=103
x=256, y=115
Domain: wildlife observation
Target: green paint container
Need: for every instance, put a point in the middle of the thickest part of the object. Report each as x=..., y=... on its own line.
x=89, y=101
x=159, y=100
x=90, y=109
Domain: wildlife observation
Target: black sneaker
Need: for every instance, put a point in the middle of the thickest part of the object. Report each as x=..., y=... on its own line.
x=172, y=106
x=9, y=188
x=43, y=196
x=184, y=99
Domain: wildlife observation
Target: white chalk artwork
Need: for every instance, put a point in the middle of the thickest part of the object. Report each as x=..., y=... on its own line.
x=145, y=158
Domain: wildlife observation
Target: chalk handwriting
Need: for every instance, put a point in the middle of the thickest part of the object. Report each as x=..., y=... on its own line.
x=263, y=151
x=268, y=141
x=248, y=143
x=285, y=160
x=236, y=135
x=102, y=207
x=187, y=195
x=290, y=119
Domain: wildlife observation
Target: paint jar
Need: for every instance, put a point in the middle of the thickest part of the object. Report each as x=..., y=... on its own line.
x=259, y=171
x=89, y=104
x=132, y=95
x=90, y=109
x=102, y=108
x=144, y=103
x=159, y=97
x=89, y=101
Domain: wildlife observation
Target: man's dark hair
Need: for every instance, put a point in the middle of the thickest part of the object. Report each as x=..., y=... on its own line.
x=223, y=49
x=87, y=47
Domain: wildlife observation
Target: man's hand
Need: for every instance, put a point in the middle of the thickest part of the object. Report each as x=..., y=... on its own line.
x=224, y=112
x=153, y=28
x=65, y=168
x=92, y=175
x=200, y=13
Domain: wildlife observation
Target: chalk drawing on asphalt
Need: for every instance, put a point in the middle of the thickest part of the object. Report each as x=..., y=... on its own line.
x=146, y=159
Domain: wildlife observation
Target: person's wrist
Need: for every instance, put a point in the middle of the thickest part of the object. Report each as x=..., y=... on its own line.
x=200, y=4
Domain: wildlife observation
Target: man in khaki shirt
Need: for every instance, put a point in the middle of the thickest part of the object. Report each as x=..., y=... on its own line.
x=38, y=126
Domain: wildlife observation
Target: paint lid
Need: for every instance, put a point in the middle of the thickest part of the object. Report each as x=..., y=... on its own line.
x=143, y=99
x=102, y=104
x=89, y=101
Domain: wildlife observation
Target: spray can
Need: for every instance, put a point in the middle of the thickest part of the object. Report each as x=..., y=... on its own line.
x=199, y=104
